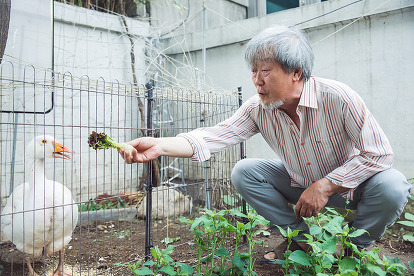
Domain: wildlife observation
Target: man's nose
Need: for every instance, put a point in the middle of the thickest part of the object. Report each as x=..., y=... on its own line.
x=258, y=79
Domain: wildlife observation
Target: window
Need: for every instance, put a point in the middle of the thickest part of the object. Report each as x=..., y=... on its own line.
x=280, y=5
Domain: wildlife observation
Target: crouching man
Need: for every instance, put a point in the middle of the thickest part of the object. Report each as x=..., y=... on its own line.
x=329, y=146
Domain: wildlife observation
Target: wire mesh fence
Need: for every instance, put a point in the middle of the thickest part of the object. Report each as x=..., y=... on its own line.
x=88, y=205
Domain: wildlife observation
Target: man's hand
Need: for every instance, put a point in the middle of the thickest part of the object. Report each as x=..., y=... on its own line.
x=315, y=197
x=149, y=148
x=145, y=149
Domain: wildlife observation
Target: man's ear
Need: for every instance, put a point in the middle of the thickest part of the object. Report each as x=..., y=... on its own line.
x=297, y=74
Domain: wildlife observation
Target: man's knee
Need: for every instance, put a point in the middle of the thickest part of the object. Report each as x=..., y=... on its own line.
x=238, y=174
x=392, y=188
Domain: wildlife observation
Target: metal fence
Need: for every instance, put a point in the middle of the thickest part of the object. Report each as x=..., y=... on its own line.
x=120, y=210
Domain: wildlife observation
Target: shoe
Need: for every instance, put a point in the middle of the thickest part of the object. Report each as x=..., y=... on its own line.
x=279, y=251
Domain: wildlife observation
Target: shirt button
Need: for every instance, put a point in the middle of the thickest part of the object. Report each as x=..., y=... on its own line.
x=302, y=144
x=308, y=163
x=290, y=123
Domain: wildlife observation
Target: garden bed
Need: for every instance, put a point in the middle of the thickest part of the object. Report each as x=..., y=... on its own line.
x=96, y=248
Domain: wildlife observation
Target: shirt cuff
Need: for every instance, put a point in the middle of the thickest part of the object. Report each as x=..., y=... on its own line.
x=337, y=178
x=201, y=152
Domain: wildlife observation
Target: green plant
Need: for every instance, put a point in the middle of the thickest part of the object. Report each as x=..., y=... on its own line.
x=122, y=234
x=92, y=205
x=409, y=236
x=244, y=261
x=210, y=232
x=103, y=141
x=328, y=231
x=162, y=263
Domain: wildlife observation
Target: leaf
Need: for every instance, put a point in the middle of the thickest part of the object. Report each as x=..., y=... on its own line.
x=204, y=219
x=122, y=234
x=186, y=269
x=143, y=271
x=375, y=268
x=315, y=230
x=334, y=226
x=280, y=262
x=395, y=263
x=221, y=252
x=409, y=237
x=348, y=263
x=236, y=212
x=283, y=232
x=261, y=231
x=156, y=252
x=348, y=272
x=412, y=265
x=300, y=257
x=237, y=261
x=149, y=263
x=118, y=264
x=244, y=255
x=406, y=223
x=328, y=261
x=357, y=233
x=409, y=216
x=168, y=270
x=329, y=245
x=185, y=220
x=168, y=251
x=169, y=240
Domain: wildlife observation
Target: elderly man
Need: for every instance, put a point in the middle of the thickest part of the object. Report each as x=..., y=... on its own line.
x=329, y=145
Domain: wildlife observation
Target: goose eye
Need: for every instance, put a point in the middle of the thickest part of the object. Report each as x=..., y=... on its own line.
x=44, y=141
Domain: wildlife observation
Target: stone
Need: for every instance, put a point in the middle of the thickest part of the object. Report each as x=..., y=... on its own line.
x=166, y=203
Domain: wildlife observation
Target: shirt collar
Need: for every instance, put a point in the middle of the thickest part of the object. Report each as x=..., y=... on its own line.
x=308, y=97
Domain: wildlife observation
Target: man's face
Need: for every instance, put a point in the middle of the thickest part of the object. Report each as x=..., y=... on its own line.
x=273, y=84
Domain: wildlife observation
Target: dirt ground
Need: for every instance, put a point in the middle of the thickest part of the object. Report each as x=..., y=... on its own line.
x=95, y=249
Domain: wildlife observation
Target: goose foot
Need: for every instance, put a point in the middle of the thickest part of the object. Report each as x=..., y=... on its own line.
x=29, y=266
x=60, y=270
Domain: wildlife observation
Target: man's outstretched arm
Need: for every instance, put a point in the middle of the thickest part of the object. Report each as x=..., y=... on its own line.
x=149, y=148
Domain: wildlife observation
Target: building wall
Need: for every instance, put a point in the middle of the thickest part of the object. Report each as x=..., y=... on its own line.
x=95, y=44
x=167, y=16
x=367, y=45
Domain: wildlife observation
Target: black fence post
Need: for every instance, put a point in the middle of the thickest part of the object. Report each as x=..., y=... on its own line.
x=148, y=211
x=242, y=156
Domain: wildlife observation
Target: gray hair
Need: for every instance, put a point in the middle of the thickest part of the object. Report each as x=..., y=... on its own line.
x=288, y=46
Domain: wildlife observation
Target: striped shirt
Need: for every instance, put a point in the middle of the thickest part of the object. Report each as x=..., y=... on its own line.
x=338, y=139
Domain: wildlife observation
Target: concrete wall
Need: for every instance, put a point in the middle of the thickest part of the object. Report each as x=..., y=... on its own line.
x=186, y=16
x=93, y=43
x=366, y=44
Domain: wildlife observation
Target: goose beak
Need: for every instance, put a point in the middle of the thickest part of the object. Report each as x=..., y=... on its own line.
x=60, y=150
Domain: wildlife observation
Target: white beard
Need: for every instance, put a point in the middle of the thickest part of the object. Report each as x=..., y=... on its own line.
x=272, y=106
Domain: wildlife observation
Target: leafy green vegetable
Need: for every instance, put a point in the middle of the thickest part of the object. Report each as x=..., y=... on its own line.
x=103, y=141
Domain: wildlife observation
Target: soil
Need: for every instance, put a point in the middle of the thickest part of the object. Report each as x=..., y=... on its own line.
x=95, y=249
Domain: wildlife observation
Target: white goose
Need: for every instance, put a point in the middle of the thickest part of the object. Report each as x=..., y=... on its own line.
x=40, y=215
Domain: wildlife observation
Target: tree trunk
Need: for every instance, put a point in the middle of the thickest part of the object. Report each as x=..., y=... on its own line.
x=4, y=24
x=156, y=177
